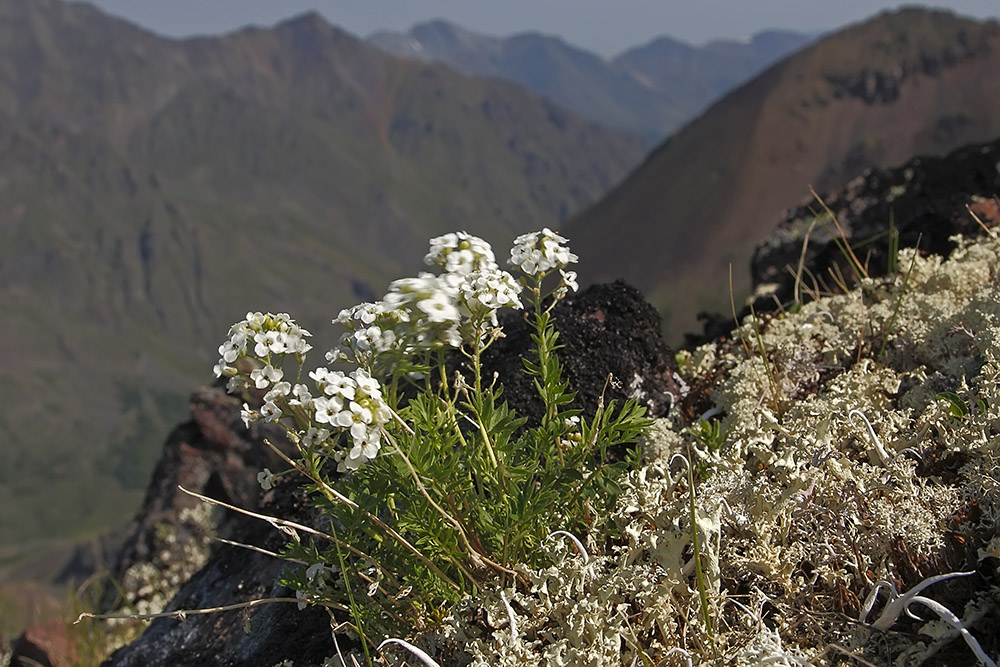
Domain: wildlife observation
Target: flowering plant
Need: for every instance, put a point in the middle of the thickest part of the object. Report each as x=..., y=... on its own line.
x=445, y=487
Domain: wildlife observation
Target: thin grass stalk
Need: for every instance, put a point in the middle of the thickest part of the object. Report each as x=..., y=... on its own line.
x=706, y=615
x=893, y=244
x=354, y=608
x=895, y=311
x=842, y=241
x=772, y=381
x=991, y=233
x=802, y=263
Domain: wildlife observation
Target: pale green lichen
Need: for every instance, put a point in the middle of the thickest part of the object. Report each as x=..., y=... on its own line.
x=840, y=467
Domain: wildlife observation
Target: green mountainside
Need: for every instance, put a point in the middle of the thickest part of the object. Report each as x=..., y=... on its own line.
x=906, y=83
x=152, y=191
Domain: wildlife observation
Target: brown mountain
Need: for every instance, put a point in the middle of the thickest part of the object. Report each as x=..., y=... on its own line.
x=153, y=190
x=872, y=95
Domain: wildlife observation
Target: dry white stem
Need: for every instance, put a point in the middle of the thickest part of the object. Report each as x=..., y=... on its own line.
x=511, y=618
x=424, y=658
x=948, y=616
x=882, y=454
x=182, y=614
x=576, y=543
x=259, y=550
x=899, y=604
x=274, y=521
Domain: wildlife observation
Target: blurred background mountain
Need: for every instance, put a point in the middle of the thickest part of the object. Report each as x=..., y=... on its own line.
x=649, y=90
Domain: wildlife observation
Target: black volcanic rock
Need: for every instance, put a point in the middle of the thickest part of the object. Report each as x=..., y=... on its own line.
x=607, y=329
x=926, y=200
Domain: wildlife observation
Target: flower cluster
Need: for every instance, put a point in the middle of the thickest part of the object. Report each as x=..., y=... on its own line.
x=268, y=334
x=343, y=404
x=460, y=253
x=371, y=335
x=540, y=252
x=351, y=403
x=429, y=311
x=484, y=292
x=416, y=315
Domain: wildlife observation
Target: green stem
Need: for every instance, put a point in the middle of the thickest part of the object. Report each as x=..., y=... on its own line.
x=700, y=577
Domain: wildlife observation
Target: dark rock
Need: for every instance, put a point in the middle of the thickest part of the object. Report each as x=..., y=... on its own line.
x=607, y=329
x=925, y=200
x=169, y=554
x=264, y=635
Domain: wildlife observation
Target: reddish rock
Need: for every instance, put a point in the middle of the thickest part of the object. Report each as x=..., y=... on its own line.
x=49, y=644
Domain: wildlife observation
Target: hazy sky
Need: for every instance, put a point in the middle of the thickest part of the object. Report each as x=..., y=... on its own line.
x=605, y=26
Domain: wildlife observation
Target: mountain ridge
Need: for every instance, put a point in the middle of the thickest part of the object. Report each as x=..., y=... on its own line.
x=647, y=90
x=702, y=198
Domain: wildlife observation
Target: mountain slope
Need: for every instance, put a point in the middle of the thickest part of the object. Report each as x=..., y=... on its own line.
x=152, y=191
x=649, y=91
x=902, y=84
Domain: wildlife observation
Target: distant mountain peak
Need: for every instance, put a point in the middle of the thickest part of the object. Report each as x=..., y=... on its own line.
x=648, y=91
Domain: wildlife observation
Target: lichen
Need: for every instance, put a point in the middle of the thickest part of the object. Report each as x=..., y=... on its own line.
x=841, y=466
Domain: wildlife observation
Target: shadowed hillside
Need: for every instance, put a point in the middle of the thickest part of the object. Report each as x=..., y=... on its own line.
x=152, y=191
x=902, y=84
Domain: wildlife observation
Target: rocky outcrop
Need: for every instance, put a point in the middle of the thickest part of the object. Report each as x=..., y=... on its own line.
x=925, y=200
x=170, y=562
x=881, y=85
x=170, y=559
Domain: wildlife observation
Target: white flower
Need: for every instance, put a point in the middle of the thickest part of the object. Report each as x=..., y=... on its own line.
x=300, y=395
x=266, y=479
x=267, y=342
x=360, y=453
x=439, y=308
x=368, y=312
x=328, y=409
x=339, y=384
x=270, y=412
x=319, y=375
x=248, y=416
x=367, y=384
x=569, y=279
x=233, y=348
x=356, y=418
x=277, y=391
x=262, y=377
x=314, y=437
x=255, y=320
x=221, y=369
